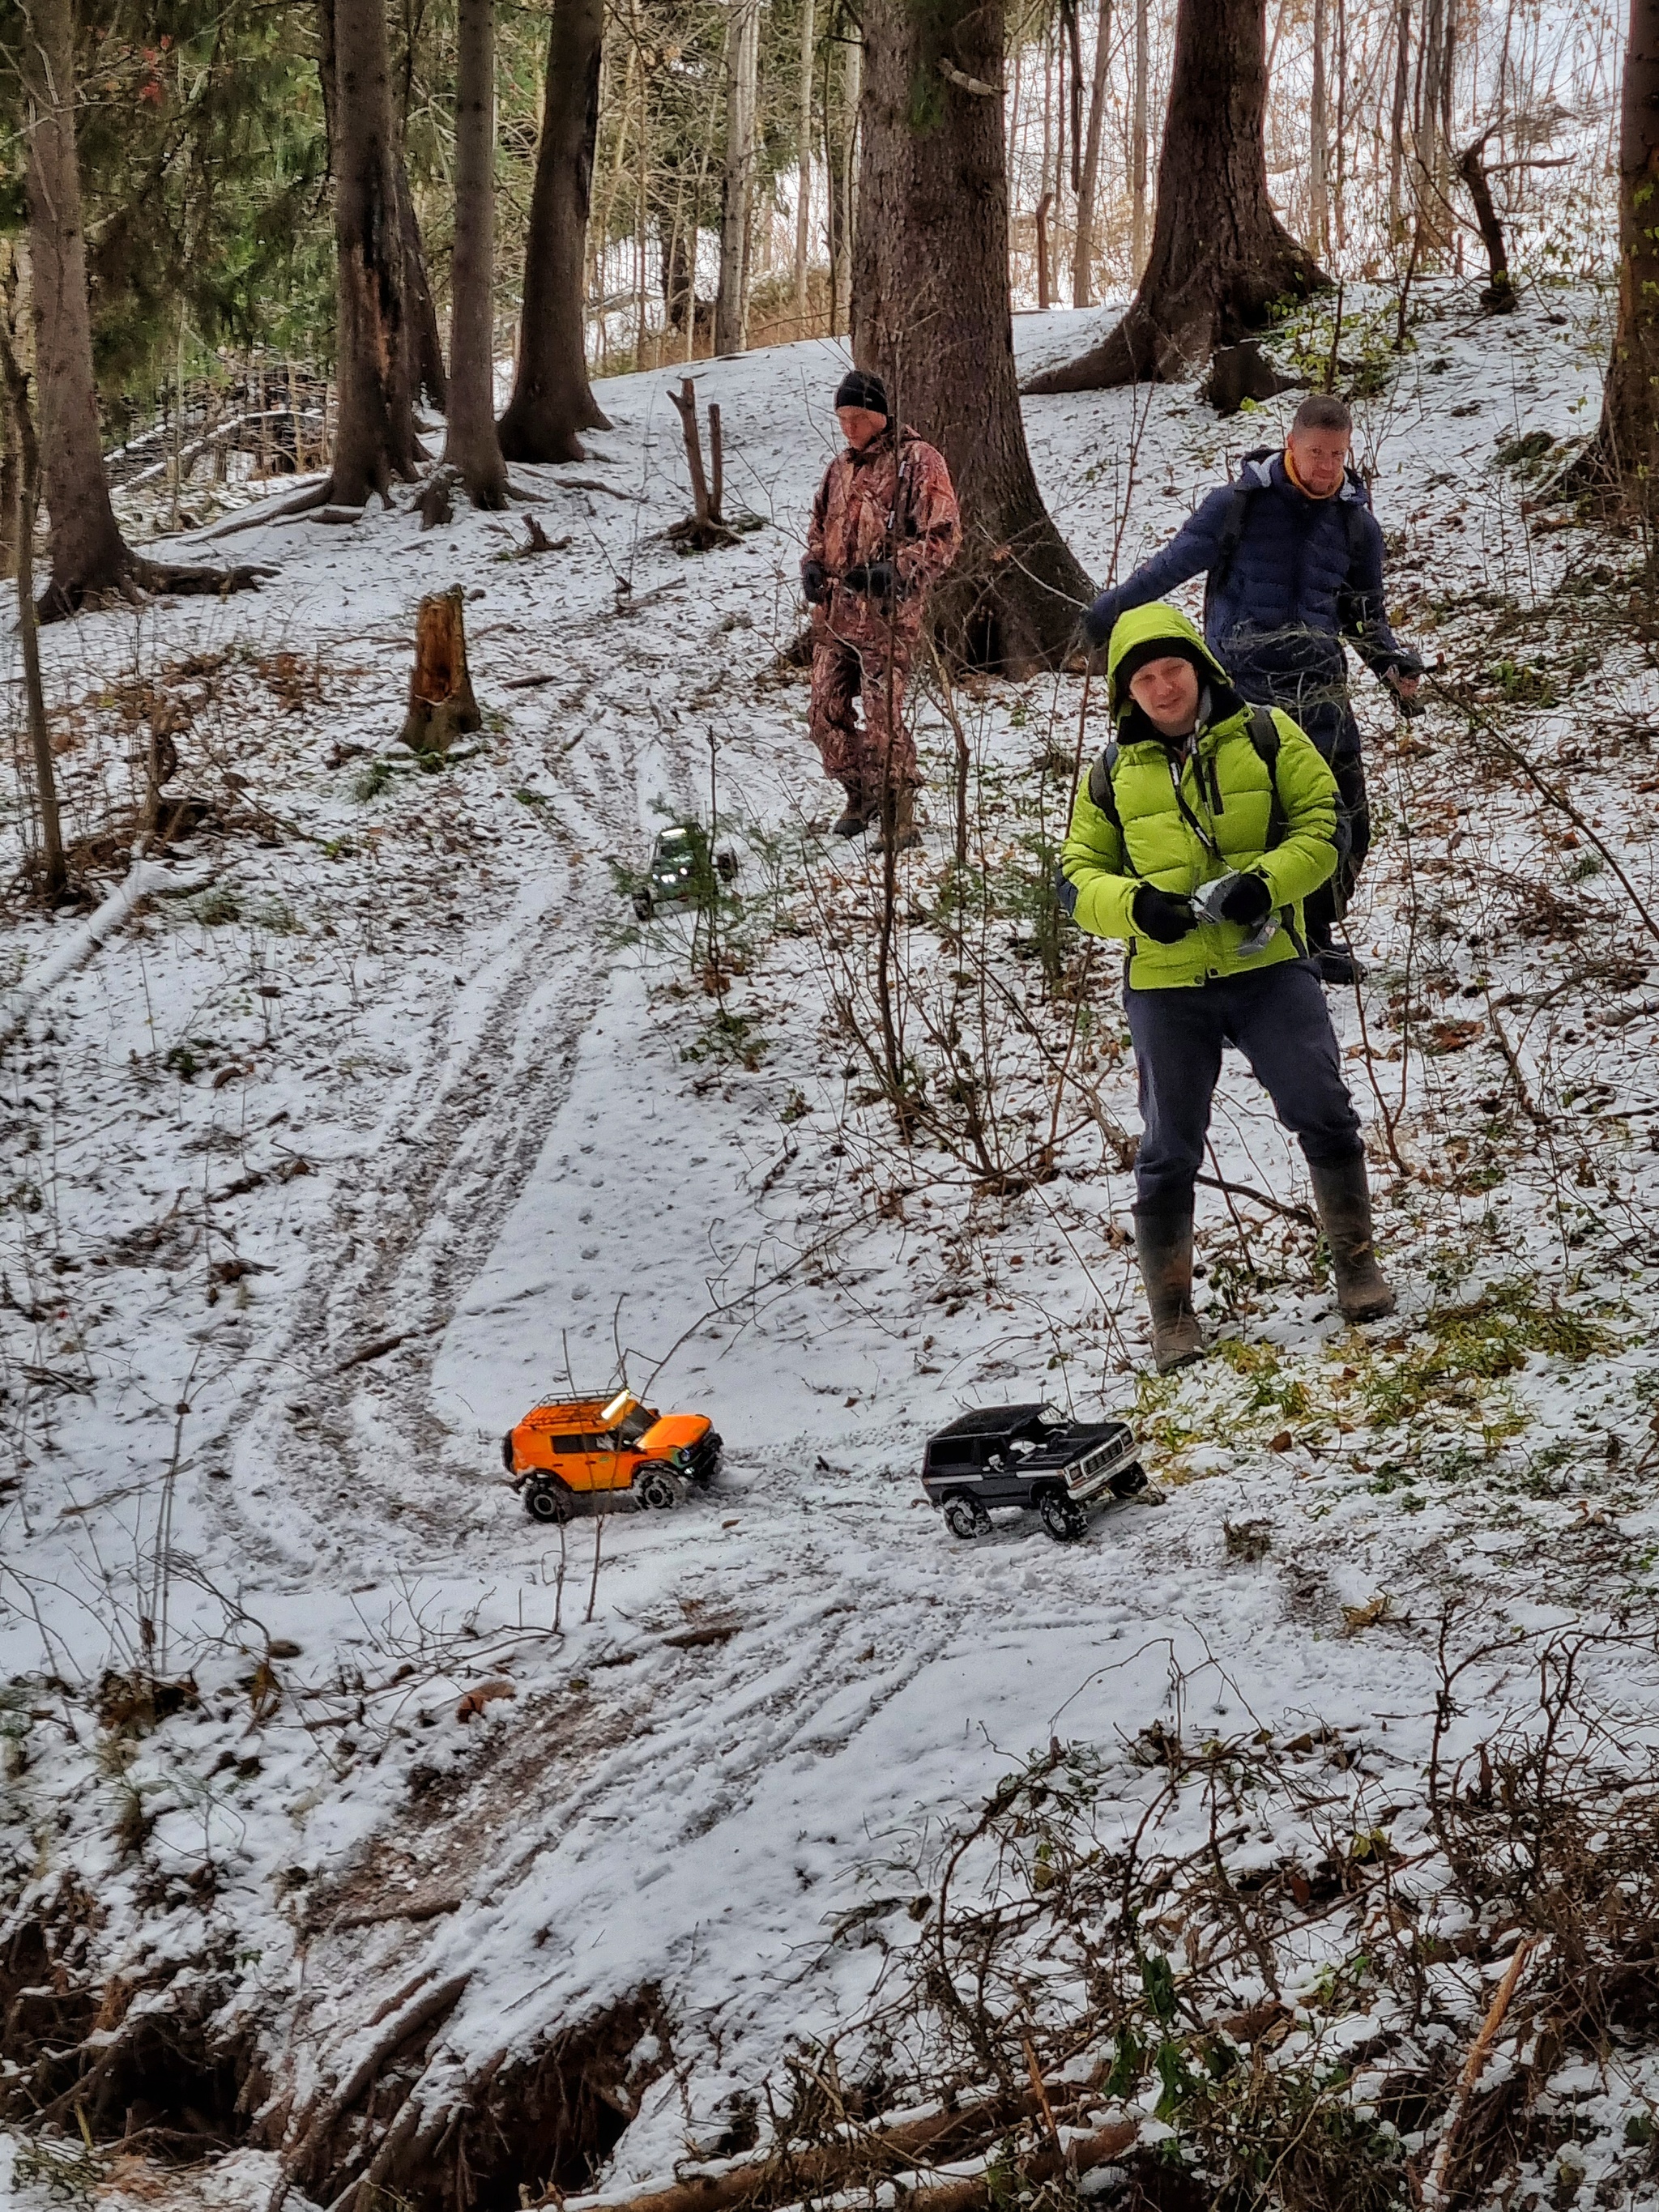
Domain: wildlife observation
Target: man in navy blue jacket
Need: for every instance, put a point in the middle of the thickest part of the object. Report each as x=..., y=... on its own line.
x=1294, y=558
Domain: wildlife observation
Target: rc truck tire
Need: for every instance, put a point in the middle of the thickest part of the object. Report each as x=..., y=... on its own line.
x=642, y=905
x=656, y=1487
x=1129, y=1481
x=1063, y=1519
x=548, y=1503
x=965, y=1516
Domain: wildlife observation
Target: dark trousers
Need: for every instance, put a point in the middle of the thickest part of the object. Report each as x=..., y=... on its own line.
x=1276, y=1017
x=1326, y=907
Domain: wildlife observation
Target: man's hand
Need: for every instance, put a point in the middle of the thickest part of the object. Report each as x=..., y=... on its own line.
x=875, y=579
x=814, y=582
x=1406, y=684
x=1404, y=677
x=1247, y=902
x=1162, y=916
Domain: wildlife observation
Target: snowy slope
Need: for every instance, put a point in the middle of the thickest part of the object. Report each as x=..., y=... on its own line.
x=320, y=1174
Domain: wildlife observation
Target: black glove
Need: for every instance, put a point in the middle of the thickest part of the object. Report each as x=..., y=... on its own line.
x=1158, y=914
x=814, y=582
x=873, y=578
x=1096, y=625
x=1406, y=666
x=1247, y=902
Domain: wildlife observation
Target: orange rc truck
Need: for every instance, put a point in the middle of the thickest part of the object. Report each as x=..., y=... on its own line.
x=584, y=1454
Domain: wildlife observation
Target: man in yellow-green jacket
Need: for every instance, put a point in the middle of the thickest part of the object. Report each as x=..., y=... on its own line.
x=1196, y=838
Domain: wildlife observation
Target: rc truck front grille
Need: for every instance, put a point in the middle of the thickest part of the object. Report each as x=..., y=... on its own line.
x=703, y=1460
x=1097, y=1467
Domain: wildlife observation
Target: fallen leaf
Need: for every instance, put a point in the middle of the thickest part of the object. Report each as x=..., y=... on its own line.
x=477, y=1700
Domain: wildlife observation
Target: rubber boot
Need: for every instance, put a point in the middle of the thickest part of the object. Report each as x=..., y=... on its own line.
x=905, y=832
x=1342, y=1193
x=858, y=816
x=1164, y=1246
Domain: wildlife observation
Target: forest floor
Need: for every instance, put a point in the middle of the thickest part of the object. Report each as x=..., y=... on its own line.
x=387, y=1119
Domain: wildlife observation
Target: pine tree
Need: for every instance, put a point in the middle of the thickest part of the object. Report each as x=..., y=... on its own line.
x=552, y=400
x=931, y=311
x=471, y=445
x=1625, y=451
x=1220, y=258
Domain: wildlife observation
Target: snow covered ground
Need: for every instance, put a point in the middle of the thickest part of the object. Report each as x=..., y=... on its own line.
x=388, y=1120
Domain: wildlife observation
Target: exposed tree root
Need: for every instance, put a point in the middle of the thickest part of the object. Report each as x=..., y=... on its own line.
x=1167, y=330
x=142, y=576
x=407, y=2122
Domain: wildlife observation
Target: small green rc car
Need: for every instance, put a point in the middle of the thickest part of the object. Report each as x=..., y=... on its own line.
x=682, y=868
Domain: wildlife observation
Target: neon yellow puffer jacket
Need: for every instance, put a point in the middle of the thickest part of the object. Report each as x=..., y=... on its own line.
x=1225, y=785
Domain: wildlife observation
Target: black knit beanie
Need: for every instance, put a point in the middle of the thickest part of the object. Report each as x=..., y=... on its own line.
x=1159, y=648
x=861, y=387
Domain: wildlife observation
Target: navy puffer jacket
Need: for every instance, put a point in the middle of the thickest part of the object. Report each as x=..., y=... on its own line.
x=1307, y=573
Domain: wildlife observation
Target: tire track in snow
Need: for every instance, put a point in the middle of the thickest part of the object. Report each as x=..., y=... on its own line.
x=377, y=1445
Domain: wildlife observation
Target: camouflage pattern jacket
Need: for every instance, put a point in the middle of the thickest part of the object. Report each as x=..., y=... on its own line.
x=873, y=507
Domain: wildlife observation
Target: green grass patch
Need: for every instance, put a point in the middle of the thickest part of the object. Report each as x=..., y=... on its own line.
x=1462, y=1349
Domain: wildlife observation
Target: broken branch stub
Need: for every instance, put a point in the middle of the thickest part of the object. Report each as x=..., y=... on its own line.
x=440, y=701
x=703, y=530
x=685, y=403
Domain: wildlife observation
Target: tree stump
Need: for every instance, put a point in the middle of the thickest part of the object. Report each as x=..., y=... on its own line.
x=436, y=503
x=440, y=701
x=1238, y=372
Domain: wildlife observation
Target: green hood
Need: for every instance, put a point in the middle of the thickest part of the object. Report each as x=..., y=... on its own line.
x=1140, y=626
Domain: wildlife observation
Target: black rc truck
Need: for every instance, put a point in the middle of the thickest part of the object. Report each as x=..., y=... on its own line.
x=1029, y=1455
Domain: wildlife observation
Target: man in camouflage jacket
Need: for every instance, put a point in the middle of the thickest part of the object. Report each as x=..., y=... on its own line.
x=884, y=525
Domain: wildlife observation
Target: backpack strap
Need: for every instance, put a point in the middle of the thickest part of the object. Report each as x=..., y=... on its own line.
x=1102, y=793
x=1354, y=512
x=1227, y=545
x=1232, y=530
x=1265, y=737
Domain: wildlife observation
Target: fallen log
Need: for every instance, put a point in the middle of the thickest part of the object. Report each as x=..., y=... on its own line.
x=143, y=878
x=977, y=2192
x=785, y=2177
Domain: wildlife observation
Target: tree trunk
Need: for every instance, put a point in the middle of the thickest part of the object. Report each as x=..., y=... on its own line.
x=1319, y=136
x=1625, y=448
x=931, y=313
x=440, y=701
x=803, y=169
x=742, y=82
x=1138, y=121
x=1433, y=168
x=1499, y=298
x=1220, y=256
x=1075, y=58
x=552, y=399
x=374, y=439
x=424, y=368
x=88, y=553
x=1339, y=180
x=1402, y=69
x=1083, y=271
x=22, y=443
x=471, y=445
x=10, y=468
